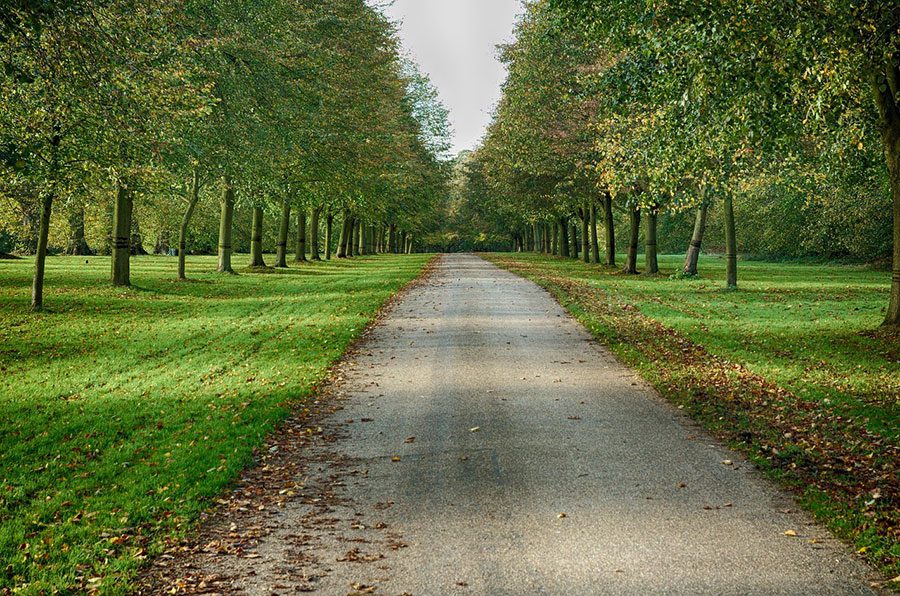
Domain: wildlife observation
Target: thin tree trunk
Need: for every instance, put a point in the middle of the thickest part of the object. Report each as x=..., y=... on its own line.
x=40, y=253
x=730, y=243
x=609, y=226
x=226, y=226
x=314, y=234
x=344, y=239
x=692, y=257
x=137, y=240
x=595, y=244
x=651, y=259
x=256, y=238
x=631, y=259
x=185, y=222
x=353, y=238
x=121, y=246
x=573, y=233
x=889, y=108
x=585, y=233
x=284, y=229
x=329, y=229
x=360, y=238
x=300, y=239
x=563, y=238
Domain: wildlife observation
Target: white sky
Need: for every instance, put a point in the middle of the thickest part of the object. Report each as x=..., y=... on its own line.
x=454, y=43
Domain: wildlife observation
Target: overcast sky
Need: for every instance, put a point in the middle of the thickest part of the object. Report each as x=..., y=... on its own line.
x=454, y=43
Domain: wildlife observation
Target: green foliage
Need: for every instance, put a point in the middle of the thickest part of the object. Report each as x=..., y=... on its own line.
x=123, y=413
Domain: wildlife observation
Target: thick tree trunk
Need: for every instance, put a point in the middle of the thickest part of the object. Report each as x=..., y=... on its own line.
x=121, y=235
x=730, y=243
x=284, y=228
x=300, y=239
x=329, y=231
x=185, y=222
x=585, y=233
x=692, y=257
x=226, y=226
x=40, y=252
x=886, y=96
x=314, y=234
x=563, y=236
x=631, y=259
x=609, y=225
x=595, y=244
x=651, y=259
x=77, y=243
x=256, y=239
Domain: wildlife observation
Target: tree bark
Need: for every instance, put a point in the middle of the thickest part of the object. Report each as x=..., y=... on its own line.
x=40, y=252
x=730, y=243
x=329, y=229
x=300, y=240
x=226, y=226
x=692, y=257
x=256, y=240
x=137, y=239
x=631, y=259
x=886, y=96
x=595, y=245
x=77, y=243
x=585, y=233
x=121, y=235
x=563, y=236
x=609, y=225
x=360, y=236
x=314, y=234
x=651, y=260
x=573, y=233
x=284, y=229
x=344, y=239
x=185, y=222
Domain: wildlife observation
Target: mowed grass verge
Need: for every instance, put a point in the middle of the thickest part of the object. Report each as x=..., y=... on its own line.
x=123, y=413
x=792, y=368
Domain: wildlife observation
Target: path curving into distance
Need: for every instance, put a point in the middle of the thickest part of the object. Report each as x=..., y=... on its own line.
x=487, y=445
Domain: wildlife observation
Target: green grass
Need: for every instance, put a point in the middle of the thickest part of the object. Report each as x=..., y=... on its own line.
x=792, y=368
x=123, y=413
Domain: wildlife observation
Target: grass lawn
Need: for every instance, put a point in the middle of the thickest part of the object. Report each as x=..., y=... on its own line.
x=792, y=368
x=124, y=412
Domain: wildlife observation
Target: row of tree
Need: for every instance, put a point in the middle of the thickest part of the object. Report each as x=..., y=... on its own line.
x=642, y=110
x=300, y=107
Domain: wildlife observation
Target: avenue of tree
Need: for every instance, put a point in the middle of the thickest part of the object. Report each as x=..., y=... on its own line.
x=199, y=119
x=618, y=115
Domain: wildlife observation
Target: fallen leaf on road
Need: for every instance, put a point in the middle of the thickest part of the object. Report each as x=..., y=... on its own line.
x=474, y=429
x=561, y=515
x=727, y=462
x=395, y=458
x=790, y=533
x=410, y=440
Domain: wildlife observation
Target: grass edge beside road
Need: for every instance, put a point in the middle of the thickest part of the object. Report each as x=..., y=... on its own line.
x=766, y=422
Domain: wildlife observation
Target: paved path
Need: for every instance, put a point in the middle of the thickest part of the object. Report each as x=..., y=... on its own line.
x=539, y=465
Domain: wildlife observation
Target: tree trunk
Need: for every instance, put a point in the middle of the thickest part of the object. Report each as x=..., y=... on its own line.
x=40, y=252
x=256, y=239
x=137, y=239
x=692, y=257
x=300, y=239
x=609, y=225
x=563, y=238
x=730, y=243
x=226, y=225
x=77, y=244
x=651, y=259
x=329, y=229
x=886, y=91
x=284, y=229
x=586, y=234
x=595, y=244
x=186, y=221
x=360, y=238
x=573, y=233
x=314, y=234
x=40, y=256
x=121, y=245
x=536, y=233
x=344, y=239
x=353, y=238
x=631, y=259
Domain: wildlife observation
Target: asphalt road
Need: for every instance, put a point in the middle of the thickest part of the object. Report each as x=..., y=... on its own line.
x=487, y=445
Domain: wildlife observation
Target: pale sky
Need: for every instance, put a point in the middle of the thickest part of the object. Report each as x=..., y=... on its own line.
x=454, y=43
